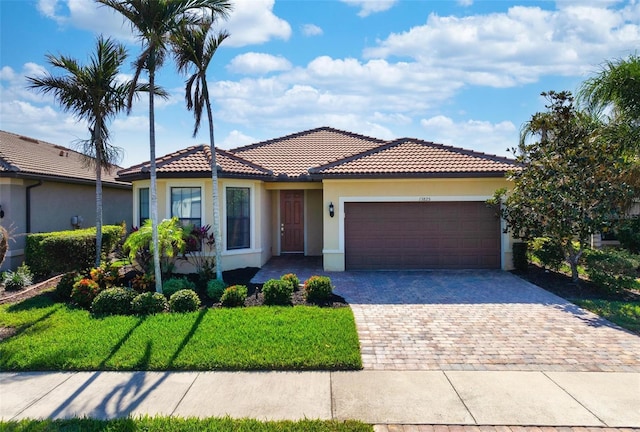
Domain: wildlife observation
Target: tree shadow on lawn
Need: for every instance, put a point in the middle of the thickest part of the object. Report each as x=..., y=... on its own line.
x=124, y=398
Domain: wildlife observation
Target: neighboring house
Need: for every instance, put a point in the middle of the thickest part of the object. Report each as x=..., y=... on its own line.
x=46, y=187
x=360, y=202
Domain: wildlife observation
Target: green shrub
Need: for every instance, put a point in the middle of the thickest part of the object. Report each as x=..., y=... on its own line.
x=65, y=251
x=234, y=296
x=173, y=285
x=317, y=289
x=107, y=275
x=612, y=269
x=520, y=261
x=84, y=291
x=113, y=301
x=277, y=292
x=293, y=280
x=547, y=251
x=149, y=303
x=215, y=289
x=628, y=234
x=65, y=285
x=185, y=300
x=19, y=279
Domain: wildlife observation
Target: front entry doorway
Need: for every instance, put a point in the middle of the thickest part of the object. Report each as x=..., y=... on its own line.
x=292, y=221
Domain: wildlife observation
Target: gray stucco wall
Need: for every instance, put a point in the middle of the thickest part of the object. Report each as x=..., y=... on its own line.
x=52, y=206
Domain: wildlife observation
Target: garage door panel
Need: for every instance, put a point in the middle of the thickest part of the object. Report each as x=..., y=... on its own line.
x=421, y=235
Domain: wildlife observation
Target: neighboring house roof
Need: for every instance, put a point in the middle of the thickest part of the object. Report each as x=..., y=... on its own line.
x=26, y=157
x=413, y=157
x=328, y=153
x=195, y=161
x=294, y=154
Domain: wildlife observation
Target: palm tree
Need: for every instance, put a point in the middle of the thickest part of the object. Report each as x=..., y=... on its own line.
x=155, y=21
x=617, y=86
x=194, y=47
x=92, y=93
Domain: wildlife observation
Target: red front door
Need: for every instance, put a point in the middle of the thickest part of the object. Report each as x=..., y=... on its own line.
x=292, y=221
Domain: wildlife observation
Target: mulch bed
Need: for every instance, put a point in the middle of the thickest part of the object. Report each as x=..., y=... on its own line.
x=563, y=286
x=28, y=292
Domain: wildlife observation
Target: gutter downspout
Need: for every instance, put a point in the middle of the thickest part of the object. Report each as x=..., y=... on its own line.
x=28, y=197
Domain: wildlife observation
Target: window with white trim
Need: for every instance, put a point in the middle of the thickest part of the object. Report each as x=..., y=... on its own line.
x=186, y=205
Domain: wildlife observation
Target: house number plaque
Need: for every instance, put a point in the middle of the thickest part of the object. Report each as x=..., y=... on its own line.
x=423, y=199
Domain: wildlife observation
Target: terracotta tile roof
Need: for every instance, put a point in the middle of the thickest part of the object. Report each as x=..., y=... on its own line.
x=295, y=154
x=195, y=161
x=409, y=156
x=27, y=157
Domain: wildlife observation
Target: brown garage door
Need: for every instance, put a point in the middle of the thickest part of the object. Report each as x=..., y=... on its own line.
x=421, y=235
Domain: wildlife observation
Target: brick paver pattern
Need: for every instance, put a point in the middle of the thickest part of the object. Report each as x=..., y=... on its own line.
x=471, y=320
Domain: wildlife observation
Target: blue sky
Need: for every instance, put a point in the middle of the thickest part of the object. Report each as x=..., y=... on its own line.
x=461, y=72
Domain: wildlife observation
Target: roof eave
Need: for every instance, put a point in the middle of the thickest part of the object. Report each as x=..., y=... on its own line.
x=120, y=184
x=460, y=174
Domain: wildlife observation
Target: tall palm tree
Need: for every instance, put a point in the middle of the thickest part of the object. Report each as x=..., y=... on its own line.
x=154, y=21
x=92, y=93
x=617, y=86
x=194, y=48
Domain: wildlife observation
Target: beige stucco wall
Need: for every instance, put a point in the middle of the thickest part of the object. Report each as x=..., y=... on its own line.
x=340, y=191
x=313, y=213
x=260, y=249
x=52, y=206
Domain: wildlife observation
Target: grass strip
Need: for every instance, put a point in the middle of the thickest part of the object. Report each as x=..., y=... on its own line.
x=625, y=314
x=169, y=424
x=53, y=336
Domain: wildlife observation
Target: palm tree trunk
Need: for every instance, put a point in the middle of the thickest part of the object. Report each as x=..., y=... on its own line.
x=98, y=143
x=152, y=190
x=214, y=178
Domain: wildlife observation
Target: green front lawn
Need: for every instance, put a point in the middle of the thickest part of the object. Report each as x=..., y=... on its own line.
x=53, y=336
x=624, y=313
x=168, y=424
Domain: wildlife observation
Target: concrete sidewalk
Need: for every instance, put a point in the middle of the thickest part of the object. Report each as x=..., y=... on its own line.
x=379, y=397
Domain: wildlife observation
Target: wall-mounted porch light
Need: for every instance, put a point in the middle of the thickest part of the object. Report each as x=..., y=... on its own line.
x=331, y=209
x=1, y=212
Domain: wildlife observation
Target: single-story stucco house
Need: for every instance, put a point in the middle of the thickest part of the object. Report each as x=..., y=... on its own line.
x=359, y=202
x=47, y=187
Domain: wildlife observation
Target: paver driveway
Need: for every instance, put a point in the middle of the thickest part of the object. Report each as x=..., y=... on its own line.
x=478, y=320
x=470, y=320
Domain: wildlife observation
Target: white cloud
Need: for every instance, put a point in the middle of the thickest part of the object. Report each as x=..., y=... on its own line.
x=519, y=46
x=465, y=2
x=258, y=63
x=86, y=15
x=250, y=22
x=368, y=7
x=311, y=30
x=253, y=22
x=484, y=136
x=235, y=139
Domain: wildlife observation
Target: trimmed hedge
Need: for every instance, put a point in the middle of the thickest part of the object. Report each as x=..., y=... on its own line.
x=277, y=292
x=66, y=251
x=113, y=301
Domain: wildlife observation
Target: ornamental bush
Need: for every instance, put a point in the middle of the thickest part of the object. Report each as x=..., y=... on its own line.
x=84, y=291
x=547, y=251
x=628, y=233
x=173, y=285
x=19, y=279
x=106, y=275
x=277, y=292
x=149, y=303
x=234, y=296
x=65, y=286
x=613, y=269
x=113, y=301
x=215, y=289
x=317, y=289
x=185, y=300
x=293, y=280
